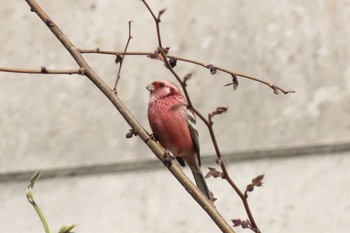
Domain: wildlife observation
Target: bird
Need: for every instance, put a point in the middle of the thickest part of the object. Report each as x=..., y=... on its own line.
x=174, y=126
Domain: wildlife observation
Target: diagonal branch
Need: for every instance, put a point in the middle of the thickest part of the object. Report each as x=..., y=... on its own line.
x=120, y=58
x=226, y=176
x=130, y=119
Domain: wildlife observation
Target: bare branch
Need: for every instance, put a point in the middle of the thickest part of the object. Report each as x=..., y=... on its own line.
x=120, y=58
x=156, y=19
x=43, y=70
x=199, y=63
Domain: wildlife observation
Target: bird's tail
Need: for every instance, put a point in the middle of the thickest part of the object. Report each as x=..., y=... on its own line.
x=200, y=180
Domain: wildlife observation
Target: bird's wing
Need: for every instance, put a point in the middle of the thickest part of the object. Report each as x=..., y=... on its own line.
x=191, y=121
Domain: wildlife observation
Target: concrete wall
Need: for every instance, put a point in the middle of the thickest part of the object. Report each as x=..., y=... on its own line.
x=50, y=122
x=307, y=194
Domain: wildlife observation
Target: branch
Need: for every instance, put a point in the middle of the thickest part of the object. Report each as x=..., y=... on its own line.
x=43, y=70
x=120, y=58
x=156, y=19
x=130, y=119
x=225, y=175
x=274, y=87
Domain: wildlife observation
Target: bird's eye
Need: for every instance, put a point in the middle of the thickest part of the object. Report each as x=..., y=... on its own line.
x=161, y=84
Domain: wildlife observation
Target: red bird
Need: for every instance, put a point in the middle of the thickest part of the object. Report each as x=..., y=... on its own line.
x=174, y=126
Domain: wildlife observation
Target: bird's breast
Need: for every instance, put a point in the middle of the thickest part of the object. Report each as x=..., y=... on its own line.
x=169, y=125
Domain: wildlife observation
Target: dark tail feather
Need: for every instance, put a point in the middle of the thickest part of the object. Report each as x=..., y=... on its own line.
x=200, y=181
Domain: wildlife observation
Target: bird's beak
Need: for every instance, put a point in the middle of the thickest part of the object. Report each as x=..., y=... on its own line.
x=151, y=88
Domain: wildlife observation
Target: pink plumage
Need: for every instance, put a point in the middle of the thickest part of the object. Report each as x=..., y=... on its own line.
x=174, y=126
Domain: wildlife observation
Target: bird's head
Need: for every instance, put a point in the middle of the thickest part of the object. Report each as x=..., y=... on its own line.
x=162, y=89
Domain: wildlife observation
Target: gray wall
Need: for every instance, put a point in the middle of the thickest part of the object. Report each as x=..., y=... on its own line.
x=54, y=122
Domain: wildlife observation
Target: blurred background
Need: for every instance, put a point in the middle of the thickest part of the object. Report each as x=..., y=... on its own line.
x=96, y=178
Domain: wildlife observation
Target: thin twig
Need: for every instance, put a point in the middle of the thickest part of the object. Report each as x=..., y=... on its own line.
x=243, y=197
x=110, y=52
x=121, y=59
x=156, y=19
x=43, y=70
x=272, y=86
x=29, y=194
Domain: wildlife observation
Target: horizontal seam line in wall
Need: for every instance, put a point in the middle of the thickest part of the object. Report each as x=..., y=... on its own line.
x=143, y=165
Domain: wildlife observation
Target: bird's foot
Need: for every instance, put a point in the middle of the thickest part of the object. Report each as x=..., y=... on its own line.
x=168, y=158
x=151, y=137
